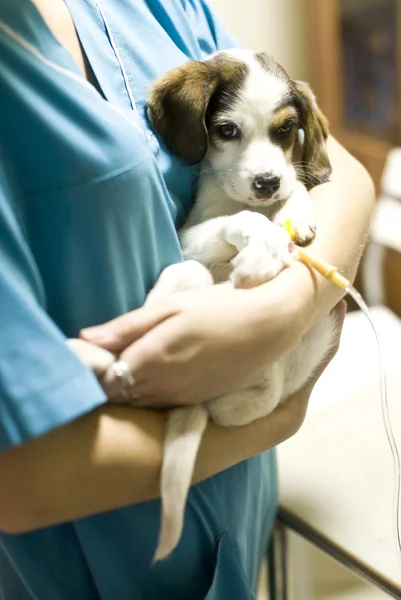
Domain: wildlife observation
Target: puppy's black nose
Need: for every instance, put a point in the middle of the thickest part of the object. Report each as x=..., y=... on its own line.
x=265, y=185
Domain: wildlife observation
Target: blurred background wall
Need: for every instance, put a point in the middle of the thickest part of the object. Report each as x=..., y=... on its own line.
x=276, y=26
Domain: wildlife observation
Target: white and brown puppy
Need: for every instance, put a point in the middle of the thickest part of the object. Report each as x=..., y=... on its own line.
x=245, y=121
x=240, y=116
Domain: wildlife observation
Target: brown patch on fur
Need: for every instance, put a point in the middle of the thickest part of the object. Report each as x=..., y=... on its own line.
x=286, y=141
x=282, y=115
x=181, y=102
x=316, y=128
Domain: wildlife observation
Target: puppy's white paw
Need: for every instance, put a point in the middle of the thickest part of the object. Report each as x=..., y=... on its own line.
x=300, y=211
x=180, y=277
x=305, y=230
x=261, y=260
x=244, y=226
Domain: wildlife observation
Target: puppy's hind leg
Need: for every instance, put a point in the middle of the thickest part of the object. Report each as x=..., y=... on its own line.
x=180, y=277
x=247, y=405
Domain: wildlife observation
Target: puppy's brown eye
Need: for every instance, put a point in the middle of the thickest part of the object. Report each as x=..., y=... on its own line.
x=286, y=128
x=229, y=131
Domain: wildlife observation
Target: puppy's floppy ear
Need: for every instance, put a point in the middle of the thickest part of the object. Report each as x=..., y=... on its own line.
x=316, y=130
x=177, y=105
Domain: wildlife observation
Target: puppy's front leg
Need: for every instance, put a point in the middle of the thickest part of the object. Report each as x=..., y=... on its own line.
x=180, y=277
x=207, y=242
x=221, y=238
x=247, y=241
x=263, y=249
x=301, y=212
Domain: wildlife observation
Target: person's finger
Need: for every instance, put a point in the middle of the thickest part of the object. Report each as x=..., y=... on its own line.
x=119, y=333
x=141, y=396
x=112, y=387
x=97, y=359
x=142, y=357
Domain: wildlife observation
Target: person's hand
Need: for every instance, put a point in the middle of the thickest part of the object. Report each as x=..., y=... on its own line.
x=195, y=346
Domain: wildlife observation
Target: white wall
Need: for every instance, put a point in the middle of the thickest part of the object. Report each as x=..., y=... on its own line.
x=276, y=26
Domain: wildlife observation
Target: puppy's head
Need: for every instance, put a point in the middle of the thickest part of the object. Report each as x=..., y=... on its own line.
x=243, y=113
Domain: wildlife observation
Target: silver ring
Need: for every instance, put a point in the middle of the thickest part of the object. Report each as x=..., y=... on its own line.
x=126, y=379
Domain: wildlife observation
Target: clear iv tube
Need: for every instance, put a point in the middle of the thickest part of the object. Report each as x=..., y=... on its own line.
x=355, y=295
x=331, y=273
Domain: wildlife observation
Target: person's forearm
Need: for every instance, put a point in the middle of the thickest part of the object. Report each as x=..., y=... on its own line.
x=112, y=458
x=344, y=206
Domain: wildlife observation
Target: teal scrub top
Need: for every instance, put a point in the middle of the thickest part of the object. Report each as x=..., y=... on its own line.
x=89, y=206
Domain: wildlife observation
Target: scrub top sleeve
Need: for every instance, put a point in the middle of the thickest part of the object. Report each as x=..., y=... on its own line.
x=42, y=384
x=208, y=28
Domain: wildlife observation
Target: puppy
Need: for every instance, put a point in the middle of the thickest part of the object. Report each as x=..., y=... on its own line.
x=260, y=140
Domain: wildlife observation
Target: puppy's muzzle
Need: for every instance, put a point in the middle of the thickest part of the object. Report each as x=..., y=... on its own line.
x=265, y=185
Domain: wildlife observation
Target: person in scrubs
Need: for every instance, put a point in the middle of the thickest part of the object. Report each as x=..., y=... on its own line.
x=89, y=207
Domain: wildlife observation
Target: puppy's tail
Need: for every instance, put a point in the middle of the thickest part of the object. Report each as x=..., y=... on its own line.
x=184, y=431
